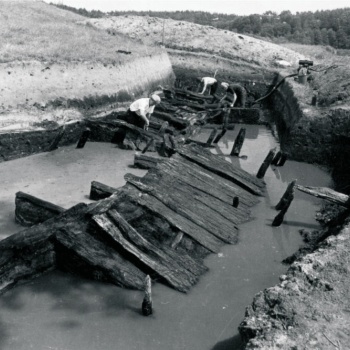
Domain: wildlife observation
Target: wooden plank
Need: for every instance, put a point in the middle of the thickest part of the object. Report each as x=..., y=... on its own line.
x=196, y=212
x=99, y=190
x=145, y=161
x=189, y=198
x=183, y=261
x=223, y=168
x=326, y=193
x=152, y=257
x=80, y=253
x=197, y=233
x=31, y=210
x=206, y=181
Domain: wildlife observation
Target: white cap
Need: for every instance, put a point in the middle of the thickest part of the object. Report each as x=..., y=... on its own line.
x=225, y=85
x=156, y=98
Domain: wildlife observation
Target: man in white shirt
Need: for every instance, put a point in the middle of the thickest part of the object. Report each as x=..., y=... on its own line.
x=210, y=82
x=140, y=111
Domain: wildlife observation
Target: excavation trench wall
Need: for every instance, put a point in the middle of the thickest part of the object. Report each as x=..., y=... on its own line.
x=311, y=134
x=80, y=84
x=190, y=65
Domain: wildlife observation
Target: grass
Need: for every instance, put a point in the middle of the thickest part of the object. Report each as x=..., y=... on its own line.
x=38, y=31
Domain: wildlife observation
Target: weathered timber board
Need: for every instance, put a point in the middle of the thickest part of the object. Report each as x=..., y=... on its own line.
x=186, y=194
x=31, y=210
x=185, y=205
x=80, y=253
x=209, y=220
x=30, y=252
x=206, y=159
x=198, y=233
x=99, y=190
x=208, y=182
x=179, y=279
x=183, y=261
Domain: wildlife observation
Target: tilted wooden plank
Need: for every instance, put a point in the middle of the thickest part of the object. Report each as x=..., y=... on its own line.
x=174, y=277
x=206, y=159
x=197, y=213
x=198, y=177
x=80, y=253
x=197, y=233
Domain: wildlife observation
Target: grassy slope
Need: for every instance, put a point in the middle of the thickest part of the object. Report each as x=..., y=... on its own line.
x=38, y=31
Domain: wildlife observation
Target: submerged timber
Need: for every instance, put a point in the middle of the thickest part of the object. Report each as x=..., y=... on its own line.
x=162, y=224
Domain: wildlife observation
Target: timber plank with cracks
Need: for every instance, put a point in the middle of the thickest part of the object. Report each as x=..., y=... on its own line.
x=80, y=253
x=180, y=279
x=197, y=233
x=208, y=182
x=196, y=212
x=183, y=204
x=189, y=197
x=184, y=261
x=207, y=160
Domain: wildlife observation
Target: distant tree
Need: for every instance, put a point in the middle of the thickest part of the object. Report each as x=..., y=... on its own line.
x=342, y=40
x=267, y=30
x=332, y=37
x=318, y=40
x=324, y=34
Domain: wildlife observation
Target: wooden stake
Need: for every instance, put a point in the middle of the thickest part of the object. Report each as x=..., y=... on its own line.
x=54, y=144
x=147, y=300
x=148, y=145
x=280, y=216
x=282, y=160
x=218, y=137
x=235, y=202
x=276, y=158
x=211, y=137
x=238, y=143
x=83, y=138
x=285, y=198
x=266, y=163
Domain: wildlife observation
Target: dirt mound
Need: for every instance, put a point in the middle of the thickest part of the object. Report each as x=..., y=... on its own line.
x=194, y=37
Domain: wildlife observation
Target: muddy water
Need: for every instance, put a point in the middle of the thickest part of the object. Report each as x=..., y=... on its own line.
x=59, y=311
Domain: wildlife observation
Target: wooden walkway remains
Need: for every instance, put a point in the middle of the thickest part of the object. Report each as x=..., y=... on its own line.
x=162, y=225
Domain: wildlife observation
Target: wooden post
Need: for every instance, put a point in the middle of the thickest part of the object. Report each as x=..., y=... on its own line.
x=211, y=137
x=277, y=158
x=280, y=216
x=83, y=138
x=285, y=198
x=148, y=145
x=238, y=143
x=55, y=142
x=218, y=137
x=282, y=160
x=266, y=163
x=147, y=300
x=235, y=202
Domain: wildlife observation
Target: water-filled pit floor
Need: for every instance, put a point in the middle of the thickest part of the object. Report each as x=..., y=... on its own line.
x=61, y=311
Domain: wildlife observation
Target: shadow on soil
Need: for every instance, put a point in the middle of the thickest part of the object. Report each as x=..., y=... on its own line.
x=234, y=343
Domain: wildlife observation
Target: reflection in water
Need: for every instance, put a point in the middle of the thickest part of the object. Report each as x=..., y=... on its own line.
x=59, y=311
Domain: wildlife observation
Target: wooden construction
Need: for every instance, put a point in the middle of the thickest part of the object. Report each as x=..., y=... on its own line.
x=161, y=225
x=31, y=210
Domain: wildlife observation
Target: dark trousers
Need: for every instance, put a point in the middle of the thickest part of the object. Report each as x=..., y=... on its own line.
x=133, y=118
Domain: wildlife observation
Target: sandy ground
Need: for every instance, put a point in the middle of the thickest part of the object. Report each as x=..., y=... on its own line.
x=194, y=37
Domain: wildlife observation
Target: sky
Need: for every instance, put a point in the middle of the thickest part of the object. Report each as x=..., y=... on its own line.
x=238, y=7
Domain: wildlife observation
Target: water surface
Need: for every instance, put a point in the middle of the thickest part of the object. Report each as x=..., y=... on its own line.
x=60, y=311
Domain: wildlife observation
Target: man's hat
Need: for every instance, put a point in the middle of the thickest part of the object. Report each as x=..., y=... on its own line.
x=156, y=98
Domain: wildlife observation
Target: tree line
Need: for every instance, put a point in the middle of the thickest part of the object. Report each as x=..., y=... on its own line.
x=327, y=27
